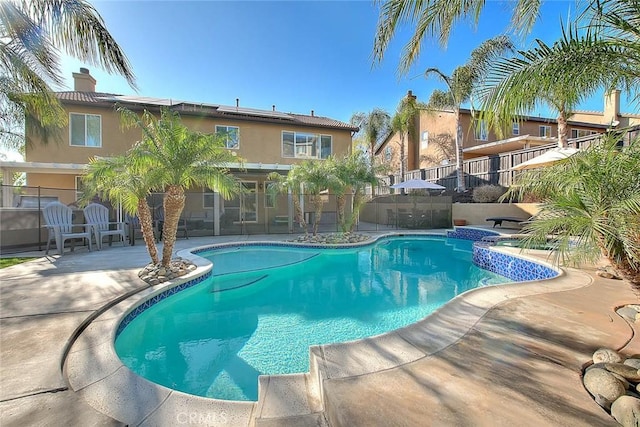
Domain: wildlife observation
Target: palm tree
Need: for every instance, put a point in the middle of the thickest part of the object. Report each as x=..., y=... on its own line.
x=179, y=159
x=461, y=85
x=33, y=33
x=605, y=55
x=316, y=178
x=403, y=124
x=117, y=179
x=591, y=206
x=436, y=18
x=373, y=125
x=290, y=184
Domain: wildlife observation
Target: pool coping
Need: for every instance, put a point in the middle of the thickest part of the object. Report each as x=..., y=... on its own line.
x=94, y=371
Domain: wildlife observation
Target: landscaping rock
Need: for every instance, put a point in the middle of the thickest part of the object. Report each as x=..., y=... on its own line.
x=628, y=372
x=628, y=313
x=633, y=362
x=604, y=386
x=332, y=238
x=155, y=274
x=626, y=411
x=608, y=273
x=606, y=355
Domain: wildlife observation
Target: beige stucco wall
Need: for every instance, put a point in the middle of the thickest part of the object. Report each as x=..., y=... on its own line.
x=259, y=142
x=477, y=213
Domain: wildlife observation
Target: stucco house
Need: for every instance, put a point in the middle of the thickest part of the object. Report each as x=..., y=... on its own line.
x=267, y=141
x=432, y=141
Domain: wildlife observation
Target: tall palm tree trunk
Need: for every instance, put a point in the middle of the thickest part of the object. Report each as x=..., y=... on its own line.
x=563, y=129
x=298, y=213
x=459, y=155
x=317, y=204
x=173, y=205
x=358, y=200
x=146, y=225
x=340, y=202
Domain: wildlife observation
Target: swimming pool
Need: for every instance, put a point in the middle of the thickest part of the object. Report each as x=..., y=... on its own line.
x=265, y=305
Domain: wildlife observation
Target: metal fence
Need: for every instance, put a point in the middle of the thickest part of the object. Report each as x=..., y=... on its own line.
x=22, y=226
x=494, y=170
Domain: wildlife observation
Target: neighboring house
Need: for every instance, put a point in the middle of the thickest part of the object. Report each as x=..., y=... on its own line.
x=432, y=142
x=267, y=141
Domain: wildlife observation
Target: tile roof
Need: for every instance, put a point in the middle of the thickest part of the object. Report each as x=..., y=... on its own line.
x=211, y=110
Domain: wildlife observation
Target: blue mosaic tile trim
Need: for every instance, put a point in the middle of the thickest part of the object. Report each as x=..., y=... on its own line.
x=157, y=298
x=470, y=233
x=516, y=269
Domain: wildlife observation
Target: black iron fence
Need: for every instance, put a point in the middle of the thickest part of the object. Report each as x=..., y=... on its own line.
x=22, y=225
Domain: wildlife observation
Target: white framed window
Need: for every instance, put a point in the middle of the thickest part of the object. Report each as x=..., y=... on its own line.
x=85, y=130
x=481, y=130
x=230, y=135
x=515, y=128
x=388, y=152
x=424, y=140
x=579, y=133
x=207, y=198
x=79, y=187
x=302, y=145
x=545, y=131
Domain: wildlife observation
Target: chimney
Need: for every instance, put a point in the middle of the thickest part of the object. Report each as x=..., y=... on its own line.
x=83, y=81
x=611, y=106
x=410, y=95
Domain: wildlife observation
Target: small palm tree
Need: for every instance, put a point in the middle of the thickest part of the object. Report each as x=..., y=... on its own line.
x=403, y=124
x=461, y=85
x=555, y=76
x=179, y=159
x=590, y=206
x=373, y=125
x=33, y=31
x=116, y=179
x=316, y=178
x=289, y=184
x=356, y=173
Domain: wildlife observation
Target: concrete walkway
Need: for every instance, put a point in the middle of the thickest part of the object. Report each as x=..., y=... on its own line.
x=519, y=364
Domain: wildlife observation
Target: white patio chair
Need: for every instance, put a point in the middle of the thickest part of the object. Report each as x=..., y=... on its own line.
x=58, y=219
x=97, y=216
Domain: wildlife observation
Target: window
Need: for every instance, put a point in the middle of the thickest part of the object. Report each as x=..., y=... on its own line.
x=481, y=131
x=388, y=152
x=79, y=187
x=85, y=130
x=230, y=135
x=579, y=133
x=424, y=141
x=545, y=131
x=515, y=128
x=306, y=145
x=207, y=198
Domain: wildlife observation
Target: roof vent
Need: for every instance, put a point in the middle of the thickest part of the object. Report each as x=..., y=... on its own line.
x=84, y=70
x=273, y=107
x=312, y=113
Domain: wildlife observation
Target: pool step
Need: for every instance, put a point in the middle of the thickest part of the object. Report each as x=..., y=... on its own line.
x=285, y=400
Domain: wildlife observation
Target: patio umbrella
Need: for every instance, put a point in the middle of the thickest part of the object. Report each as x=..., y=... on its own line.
x=417, y=184
x=547, y=158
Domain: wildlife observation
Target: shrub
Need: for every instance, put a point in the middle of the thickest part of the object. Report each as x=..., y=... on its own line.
x=488, y=193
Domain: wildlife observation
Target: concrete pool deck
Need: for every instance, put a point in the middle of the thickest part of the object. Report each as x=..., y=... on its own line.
x=507, y=358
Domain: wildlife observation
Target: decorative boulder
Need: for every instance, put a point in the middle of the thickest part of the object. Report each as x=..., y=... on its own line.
x=606, y=355
x=604, y=386
x=628, y=372
x=626, y=411
x=633, y=363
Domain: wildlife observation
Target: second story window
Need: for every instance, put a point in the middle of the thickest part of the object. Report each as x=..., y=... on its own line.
x=481, y=131
x=580, y=133
x=230, y=135
x=301, y=145
x=545, y=131
x=515, y=128
x=424, y=140
x=85, y=130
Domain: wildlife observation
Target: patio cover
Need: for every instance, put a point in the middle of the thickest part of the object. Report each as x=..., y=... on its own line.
x=417, y=184
x=546, y=159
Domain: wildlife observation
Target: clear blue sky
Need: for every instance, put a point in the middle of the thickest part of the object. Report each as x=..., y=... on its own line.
x=298, y=55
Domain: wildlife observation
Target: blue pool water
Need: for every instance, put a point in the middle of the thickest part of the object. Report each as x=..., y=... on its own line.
x=265, y=305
